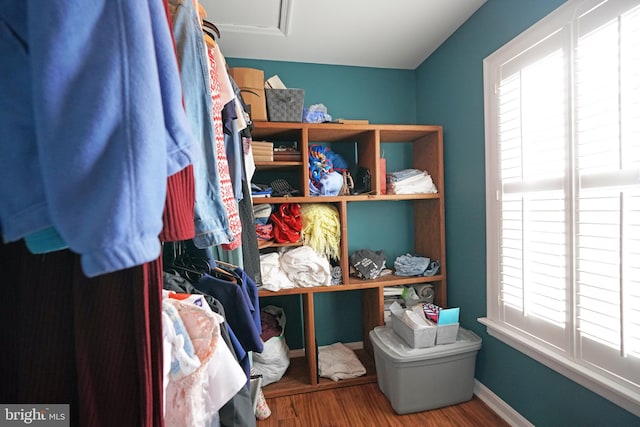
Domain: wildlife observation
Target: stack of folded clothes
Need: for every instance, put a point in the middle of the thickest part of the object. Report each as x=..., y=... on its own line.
x=367, y=264
x=410, y=181
x=414, y=265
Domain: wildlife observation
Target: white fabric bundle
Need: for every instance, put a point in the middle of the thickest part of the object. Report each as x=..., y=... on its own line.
x=273, y=278
x=412, y=182
x=337, y=361
x=305, y=267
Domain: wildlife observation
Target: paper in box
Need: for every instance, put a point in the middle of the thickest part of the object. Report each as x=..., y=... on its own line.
x=424, y=336
x=447, y=320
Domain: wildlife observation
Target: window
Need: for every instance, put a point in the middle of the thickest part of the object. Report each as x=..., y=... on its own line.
x=562, y=116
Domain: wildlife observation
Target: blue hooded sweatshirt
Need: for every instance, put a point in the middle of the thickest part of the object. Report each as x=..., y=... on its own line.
x=91, y=126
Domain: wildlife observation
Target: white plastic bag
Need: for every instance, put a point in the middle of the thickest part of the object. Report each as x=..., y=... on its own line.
x=273, y=362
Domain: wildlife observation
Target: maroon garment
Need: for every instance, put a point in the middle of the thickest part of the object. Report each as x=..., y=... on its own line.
x=95, y=344
x=178, y=215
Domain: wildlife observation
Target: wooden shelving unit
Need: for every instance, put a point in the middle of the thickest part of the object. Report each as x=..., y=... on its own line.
x=428, y=217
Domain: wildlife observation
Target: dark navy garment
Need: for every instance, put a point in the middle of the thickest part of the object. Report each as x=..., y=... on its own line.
x=251, y=289
x=239, y=308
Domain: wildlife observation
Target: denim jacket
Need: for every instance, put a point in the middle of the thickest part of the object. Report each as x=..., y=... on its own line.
x=211, y=221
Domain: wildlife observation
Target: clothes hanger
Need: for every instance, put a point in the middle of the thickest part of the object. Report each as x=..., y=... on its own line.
x=211, y=26
x=227, y=264
x=185, y=264
x=223, y=274
x=206, y=23
x=208, y=28
x=208, y=38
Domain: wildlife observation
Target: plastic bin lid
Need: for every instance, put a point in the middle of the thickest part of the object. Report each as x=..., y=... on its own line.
x=396, y=348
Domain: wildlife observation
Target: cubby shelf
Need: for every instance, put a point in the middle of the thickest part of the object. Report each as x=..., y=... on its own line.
x=428, y=227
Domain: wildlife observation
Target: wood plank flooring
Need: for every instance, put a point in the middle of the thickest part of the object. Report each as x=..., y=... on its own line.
x=365, y=406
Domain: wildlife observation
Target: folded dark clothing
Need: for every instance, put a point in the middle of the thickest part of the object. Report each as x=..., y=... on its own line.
x=367, y=263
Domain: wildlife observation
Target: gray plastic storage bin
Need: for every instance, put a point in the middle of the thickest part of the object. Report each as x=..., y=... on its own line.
x=419, y=379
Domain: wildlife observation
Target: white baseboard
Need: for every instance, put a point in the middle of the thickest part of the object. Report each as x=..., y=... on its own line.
x=299, y=352
x=499, y=406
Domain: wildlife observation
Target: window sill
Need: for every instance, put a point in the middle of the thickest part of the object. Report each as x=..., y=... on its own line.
x=616, y=393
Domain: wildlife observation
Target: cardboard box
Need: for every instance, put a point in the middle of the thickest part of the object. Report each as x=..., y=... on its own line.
x=419, y=379
x=251, y=84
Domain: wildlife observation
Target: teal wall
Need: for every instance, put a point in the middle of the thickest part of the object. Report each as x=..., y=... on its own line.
x=446, y=89
x=450, y=92
x=381, y=96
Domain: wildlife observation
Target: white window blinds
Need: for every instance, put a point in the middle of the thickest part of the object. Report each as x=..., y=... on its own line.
x=607, y=247
x=563, y=189
x=532, y=119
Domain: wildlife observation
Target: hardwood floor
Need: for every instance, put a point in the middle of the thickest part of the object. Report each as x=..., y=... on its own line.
x=364, y=406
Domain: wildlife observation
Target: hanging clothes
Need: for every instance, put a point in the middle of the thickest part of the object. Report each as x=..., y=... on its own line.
x=114, y=148
x=238, y=411
x=196, y=393
x=221, y=93
x=93, y=343
x=210, y=216
x=177, y=217
x=242, y=316
x=250, y=251
x=103, y=146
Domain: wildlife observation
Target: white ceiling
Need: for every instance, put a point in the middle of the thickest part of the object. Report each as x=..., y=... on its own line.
x=371, y=33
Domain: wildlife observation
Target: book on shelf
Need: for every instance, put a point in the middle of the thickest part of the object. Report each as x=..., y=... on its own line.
x=266, y=145
x=287, y=156
x=262, y=158
x=262, y=152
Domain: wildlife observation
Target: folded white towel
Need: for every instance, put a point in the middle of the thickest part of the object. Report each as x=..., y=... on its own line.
x=337, y=361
